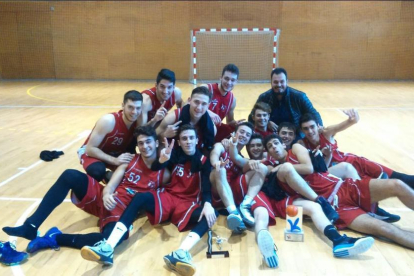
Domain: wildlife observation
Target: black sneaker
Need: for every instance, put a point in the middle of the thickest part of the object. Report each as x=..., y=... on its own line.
x=383, y=215
x=346, y=246
x=328, y=210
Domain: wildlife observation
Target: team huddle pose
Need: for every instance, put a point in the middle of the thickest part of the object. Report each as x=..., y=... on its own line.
x=190, y=165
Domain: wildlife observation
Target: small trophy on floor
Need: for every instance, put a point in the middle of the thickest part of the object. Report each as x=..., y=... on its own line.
x=219, y=241
x=293, y=230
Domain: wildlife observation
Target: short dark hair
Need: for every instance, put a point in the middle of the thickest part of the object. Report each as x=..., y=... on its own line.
x=203, y=91
x=306, y=118
x=147, y=131
x=278, y=71
x=132, y=95
x=166, y=74
x=287, y=125
x=230, y=68
x=262, y=106
x=271, y=137
x=248, y=124
x=255, y=136
x=186, y=127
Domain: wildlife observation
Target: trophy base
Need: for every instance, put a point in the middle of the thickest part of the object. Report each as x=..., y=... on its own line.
x=294, y=236
x=218, y=254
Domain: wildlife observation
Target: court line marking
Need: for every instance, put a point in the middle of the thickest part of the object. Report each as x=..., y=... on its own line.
x=28, y=92
x=16, y=269
x=59, y=106
x=81, y=136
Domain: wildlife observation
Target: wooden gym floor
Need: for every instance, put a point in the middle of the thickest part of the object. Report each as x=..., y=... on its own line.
x=47, y=115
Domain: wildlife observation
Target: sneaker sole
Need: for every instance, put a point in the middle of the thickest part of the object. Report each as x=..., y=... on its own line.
x=233, y=223
x=90, y=255
x=267, y=248
x=16, y=263
x=361, y=246
x=181, y=268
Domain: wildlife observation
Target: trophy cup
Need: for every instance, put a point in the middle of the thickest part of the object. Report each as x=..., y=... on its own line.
x=293, y=230
x=219, y=240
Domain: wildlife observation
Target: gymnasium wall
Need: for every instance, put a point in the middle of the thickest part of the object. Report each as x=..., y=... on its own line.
x=133, y=40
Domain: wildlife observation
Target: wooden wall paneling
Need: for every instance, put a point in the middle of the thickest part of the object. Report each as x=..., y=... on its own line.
x=369, y=11
x=311, y=11
x=36, y=44
x=404, y=65
x=9, y=40
x=12, y=65
x=374, y=66
x=407, y=11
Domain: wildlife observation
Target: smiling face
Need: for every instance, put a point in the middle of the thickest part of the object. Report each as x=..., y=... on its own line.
x=164, y=89
x=279, y=83
x=255, y=149
x=276, y=149
x=261, y=119
x=198, y=105
x=188, y=141
x=310, y=128
x=244, y=133
x=287, y=135
x=228, y=80
x=147, y=146
x=132, y=110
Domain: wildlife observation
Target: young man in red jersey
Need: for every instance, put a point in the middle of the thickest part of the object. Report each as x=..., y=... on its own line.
x=107, y=203
x=159, y=99
x=106, y=146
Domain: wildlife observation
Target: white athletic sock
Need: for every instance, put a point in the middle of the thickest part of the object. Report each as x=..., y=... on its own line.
x=247, y=200
x=117, y=234
x=231, y=209
x=190, y=241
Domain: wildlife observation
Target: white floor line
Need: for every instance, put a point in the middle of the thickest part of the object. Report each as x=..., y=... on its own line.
x=81, y=136
x=16, y=269
x=26, y=199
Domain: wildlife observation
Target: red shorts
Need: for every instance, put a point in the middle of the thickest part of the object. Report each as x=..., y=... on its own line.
x=92, y=203
x=86, y=161
x=354, y=199
x=172, y=208
x=223, y=132
x=239, y=188
x=279, y=206
x=367, y=167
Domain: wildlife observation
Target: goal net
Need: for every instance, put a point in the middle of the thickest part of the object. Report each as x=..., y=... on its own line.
x=253, y=51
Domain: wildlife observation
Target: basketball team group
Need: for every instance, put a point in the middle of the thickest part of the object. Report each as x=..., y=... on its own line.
x=190, y=166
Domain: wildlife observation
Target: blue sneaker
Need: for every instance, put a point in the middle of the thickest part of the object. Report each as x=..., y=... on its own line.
x=9, y=255
x=267, y=248
x=47, y=241
x=101, y=252
x=235, y=223
x=181, y=262
x=246, y=214
x=346, y=246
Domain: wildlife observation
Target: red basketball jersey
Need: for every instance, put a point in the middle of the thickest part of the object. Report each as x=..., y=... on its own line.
x=139, y=178
x=116, y=142
x=220, y=104
x=185, y=184
x=156, y=104
x=232, y=170
x=337, y=156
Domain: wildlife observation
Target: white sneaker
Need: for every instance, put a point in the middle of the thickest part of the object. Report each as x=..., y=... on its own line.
x=267, y=248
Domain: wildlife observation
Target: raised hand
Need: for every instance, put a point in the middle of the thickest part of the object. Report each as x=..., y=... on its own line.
x=226, y=143
x=171, y=130
x=161, y=112
x=353, y=115
x=165, y=153
x=234, y=138
x=215, y=118
x=221, y=164
x=236, y=123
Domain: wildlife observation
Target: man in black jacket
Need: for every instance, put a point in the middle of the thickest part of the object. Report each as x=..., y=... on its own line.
x=287, y=103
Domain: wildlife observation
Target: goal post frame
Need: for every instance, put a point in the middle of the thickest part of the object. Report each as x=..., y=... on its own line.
x=193, y=74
